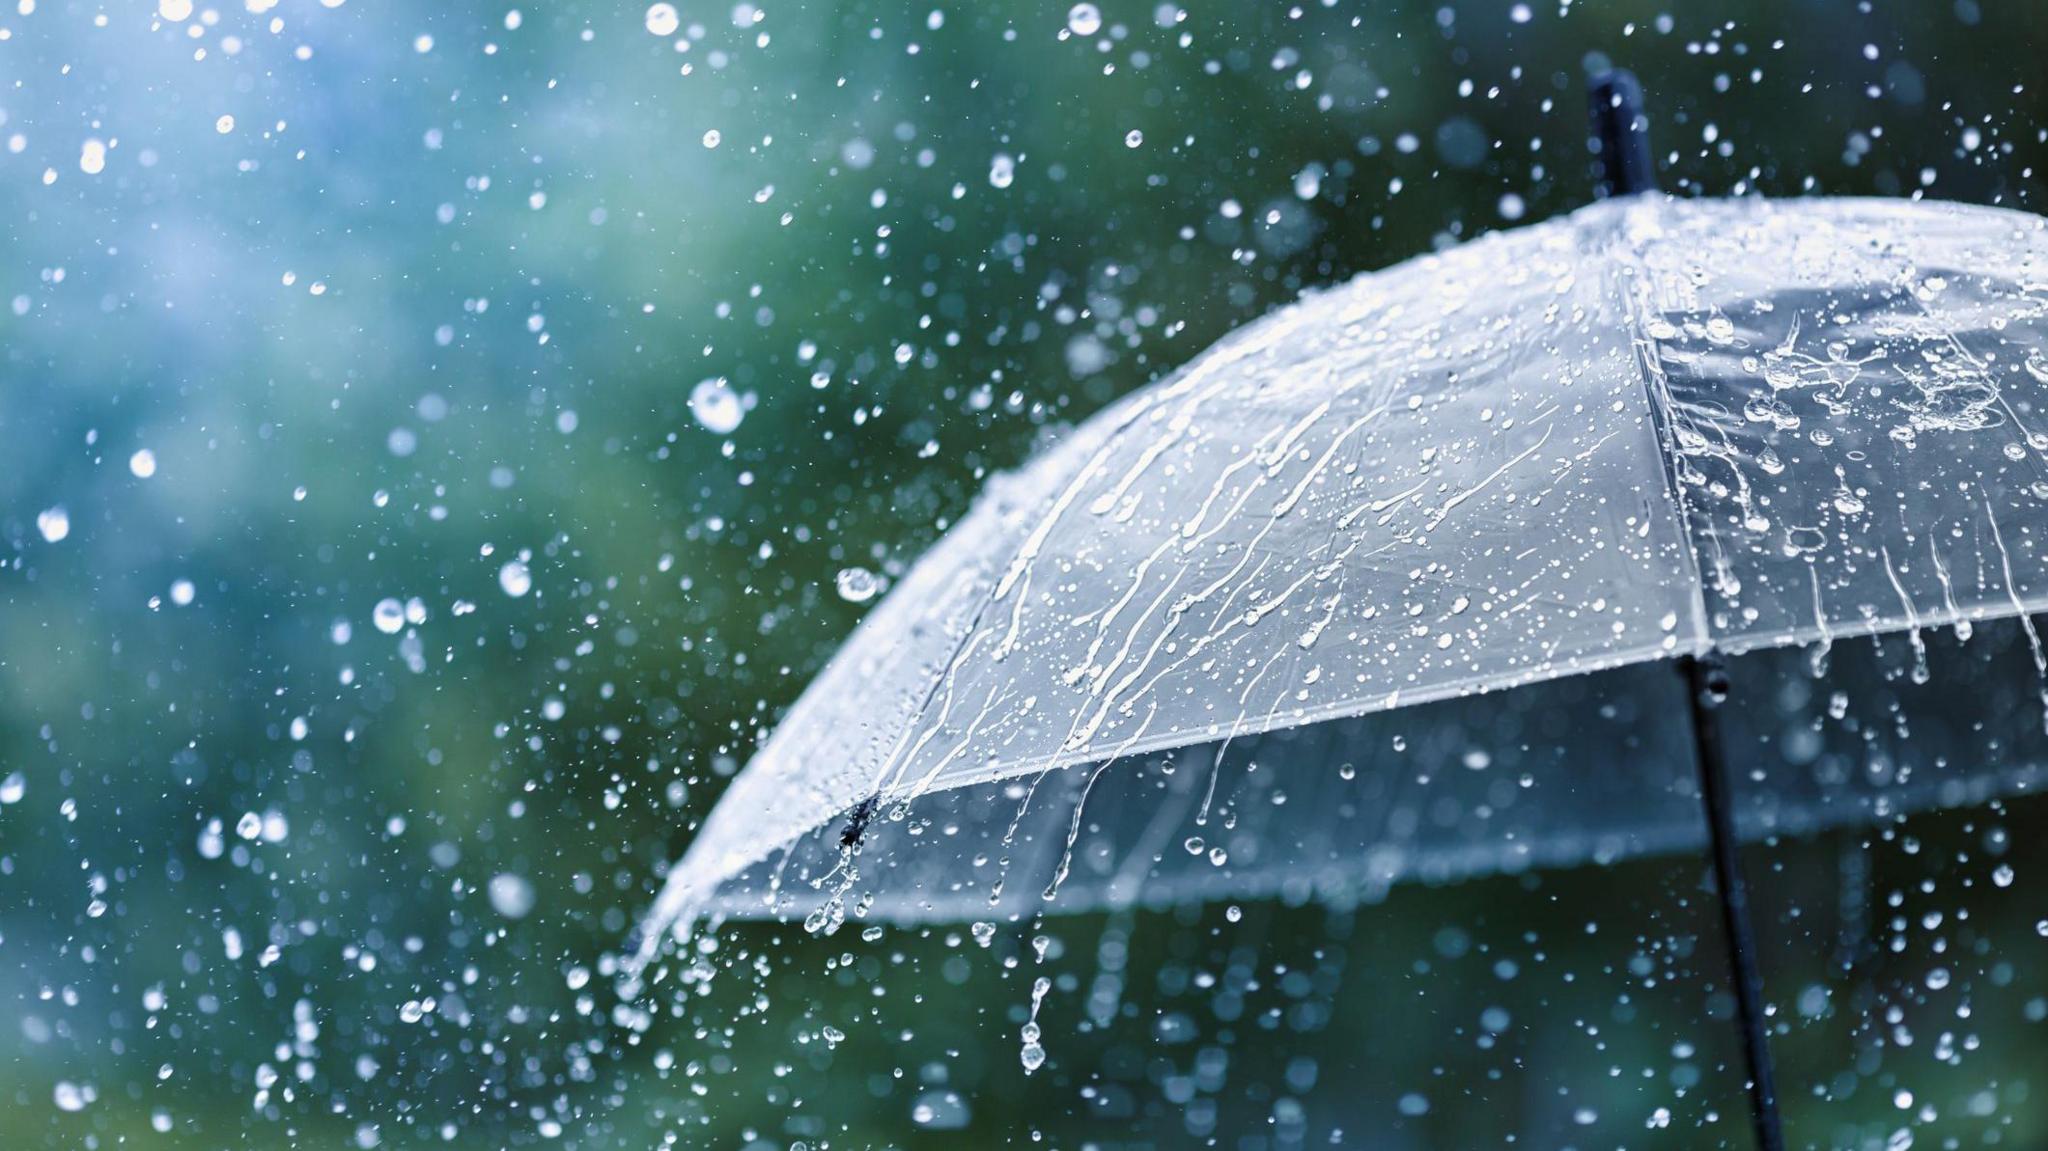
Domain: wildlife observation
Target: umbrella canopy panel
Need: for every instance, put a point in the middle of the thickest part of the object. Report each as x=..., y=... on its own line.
x=1650, y=428
x=1337, y=811
x=1854, y=390
x=1591, y=769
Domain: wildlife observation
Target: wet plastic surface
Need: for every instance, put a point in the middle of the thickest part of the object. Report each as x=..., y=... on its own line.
x=1653, y=427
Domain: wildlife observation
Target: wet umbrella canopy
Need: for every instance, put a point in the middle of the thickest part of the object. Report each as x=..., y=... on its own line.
x=1651, y=429
x=1167, y=660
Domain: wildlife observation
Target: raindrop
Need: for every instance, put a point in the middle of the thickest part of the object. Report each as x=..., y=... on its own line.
x=662, y=19
x=857, y=584
x=515, y=578
x=388, y=615
x=1083, y=19
x=1461, y=142
x=13, y=788
x=142, y=464
x=54, y=523
x=1033, y=1054
x=1133, y=138
x=511, y=895
x=717, y=407
x=939, y=1110
x=1813, y=1001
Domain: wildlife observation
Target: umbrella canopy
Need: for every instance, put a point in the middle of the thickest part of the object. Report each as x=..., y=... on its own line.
x=1650, y=429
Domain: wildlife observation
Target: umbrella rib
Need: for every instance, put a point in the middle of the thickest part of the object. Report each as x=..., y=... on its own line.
x=1706, y=689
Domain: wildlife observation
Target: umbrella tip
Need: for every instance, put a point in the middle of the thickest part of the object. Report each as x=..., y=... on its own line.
x=857, y=821
x=1620, y=132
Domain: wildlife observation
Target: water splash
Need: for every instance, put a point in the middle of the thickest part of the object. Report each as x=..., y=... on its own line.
x=1033, y=1053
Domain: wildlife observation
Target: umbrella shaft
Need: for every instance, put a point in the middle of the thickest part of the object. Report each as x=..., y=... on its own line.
x=1614, y=101
x=1708, y=686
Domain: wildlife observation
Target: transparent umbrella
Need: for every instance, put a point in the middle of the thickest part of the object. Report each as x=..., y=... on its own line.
x=1380, y=587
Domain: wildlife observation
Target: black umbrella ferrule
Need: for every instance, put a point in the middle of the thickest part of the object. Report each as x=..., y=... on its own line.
x=1620, y=133
x=857, y=821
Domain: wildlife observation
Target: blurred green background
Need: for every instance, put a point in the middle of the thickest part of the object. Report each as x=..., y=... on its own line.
x=423, y=306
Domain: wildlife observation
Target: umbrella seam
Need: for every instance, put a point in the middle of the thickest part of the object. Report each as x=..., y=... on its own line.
x=1657, y=389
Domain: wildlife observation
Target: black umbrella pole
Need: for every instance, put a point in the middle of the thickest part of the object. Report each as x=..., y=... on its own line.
x=1708, y=682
